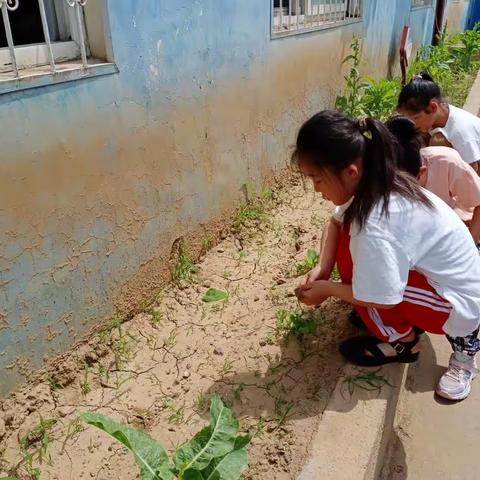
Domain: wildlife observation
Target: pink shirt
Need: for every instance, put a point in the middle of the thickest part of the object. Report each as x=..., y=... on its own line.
x=452, y=179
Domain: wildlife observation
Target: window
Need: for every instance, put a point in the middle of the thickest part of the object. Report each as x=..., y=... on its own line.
x=421, y=3
x=48, y=37
x=299, y=16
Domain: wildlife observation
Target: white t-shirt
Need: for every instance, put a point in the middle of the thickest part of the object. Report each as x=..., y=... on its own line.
x=434, y=242
x=462, y=131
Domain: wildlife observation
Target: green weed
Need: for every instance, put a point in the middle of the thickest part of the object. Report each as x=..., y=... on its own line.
x=85, y=386
x=283, y=409
x=200, y=403
x=53, y=383
x=335, y=275
x=308, y=264
x=185, y=267
x=366, y=380
x=39, y=437
x=296, y=323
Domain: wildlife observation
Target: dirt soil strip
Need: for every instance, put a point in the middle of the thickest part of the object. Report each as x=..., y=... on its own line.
x=158, y=370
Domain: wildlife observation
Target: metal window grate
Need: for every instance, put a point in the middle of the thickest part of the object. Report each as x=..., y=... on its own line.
x=421, y=3
x=299, y=16
x=7, y=6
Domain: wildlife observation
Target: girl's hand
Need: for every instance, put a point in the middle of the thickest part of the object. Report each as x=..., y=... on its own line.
x=314, y=293
x=317, y=273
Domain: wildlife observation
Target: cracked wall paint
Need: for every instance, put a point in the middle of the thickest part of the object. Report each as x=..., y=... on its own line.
x=100, y=176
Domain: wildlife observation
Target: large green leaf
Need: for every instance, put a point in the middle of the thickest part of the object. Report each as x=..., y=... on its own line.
x=232, y=465
x=229, y=467
x=149, y=455
x=214, y=295
x=214, y=441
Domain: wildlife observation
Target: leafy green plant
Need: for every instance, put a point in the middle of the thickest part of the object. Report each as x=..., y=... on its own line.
x=39, y=437
x=217, y=452
x=379, y=99
x=308, y=264
x=295, y=323
x=214, y=295
x=249, y=212
x=185, y=268
x=350, y=102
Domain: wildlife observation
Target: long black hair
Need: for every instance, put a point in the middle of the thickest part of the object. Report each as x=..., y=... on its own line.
x=332, y=141
x=408, y=142
x=416, y=95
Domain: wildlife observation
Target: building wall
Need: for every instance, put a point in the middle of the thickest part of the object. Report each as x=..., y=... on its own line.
x=100, y=176
x=457, y=12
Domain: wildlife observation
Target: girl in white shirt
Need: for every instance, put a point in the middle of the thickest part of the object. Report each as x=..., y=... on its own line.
x=405, y=258
x=421, y=101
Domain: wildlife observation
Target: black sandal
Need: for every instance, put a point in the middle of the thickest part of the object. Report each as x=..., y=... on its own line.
x=354, y=350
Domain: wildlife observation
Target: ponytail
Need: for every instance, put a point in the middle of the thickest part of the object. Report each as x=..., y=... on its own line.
x=332, y=141
x=408, y=143
x=416, y=95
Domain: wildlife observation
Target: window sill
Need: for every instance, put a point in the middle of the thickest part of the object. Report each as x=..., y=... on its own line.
x=420, y=7
x=66, y=72
x=314, y=28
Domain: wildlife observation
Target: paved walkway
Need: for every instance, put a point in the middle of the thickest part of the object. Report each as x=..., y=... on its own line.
x=435, y=439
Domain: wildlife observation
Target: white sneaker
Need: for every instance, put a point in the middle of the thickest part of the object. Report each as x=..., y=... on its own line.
x=455, y=383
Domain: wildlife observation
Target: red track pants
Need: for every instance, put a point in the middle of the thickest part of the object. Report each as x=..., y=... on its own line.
x=421, y=306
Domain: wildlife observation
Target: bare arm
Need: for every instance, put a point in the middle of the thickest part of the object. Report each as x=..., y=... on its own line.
x=475, y=225
x=315, y=293
x=328, y=252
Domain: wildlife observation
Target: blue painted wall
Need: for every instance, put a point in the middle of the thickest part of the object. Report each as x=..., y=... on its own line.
x=100, y=176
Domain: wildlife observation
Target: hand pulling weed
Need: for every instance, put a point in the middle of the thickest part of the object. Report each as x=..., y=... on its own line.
x=216, y=452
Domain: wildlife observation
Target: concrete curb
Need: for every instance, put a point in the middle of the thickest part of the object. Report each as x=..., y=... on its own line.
x=354, y=432
x=472, y=104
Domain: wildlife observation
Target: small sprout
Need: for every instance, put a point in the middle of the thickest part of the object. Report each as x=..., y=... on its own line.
x=283, y=409
x=200, y=403
x=335, y=275
x=226, y=368
x=54, y=383
x=185, y=268
x=156, y=316
x=85, y=386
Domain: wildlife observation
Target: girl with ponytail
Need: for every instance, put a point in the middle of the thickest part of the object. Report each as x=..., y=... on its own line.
x=406, y=260
x=440, y=170
x=421, y=101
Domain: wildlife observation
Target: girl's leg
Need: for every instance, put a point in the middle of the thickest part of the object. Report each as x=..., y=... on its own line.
x=422, y=307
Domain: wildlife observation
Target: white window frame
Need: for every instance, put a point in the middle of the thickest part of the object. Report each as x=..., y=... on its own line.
x=416, y=4
x=36, y=55
x=321, y=14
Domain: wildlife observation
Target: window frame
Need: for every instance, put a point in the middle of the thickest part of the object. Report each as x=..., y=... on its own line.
x=419, y=7
x=33, y=60
x=274, y=34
